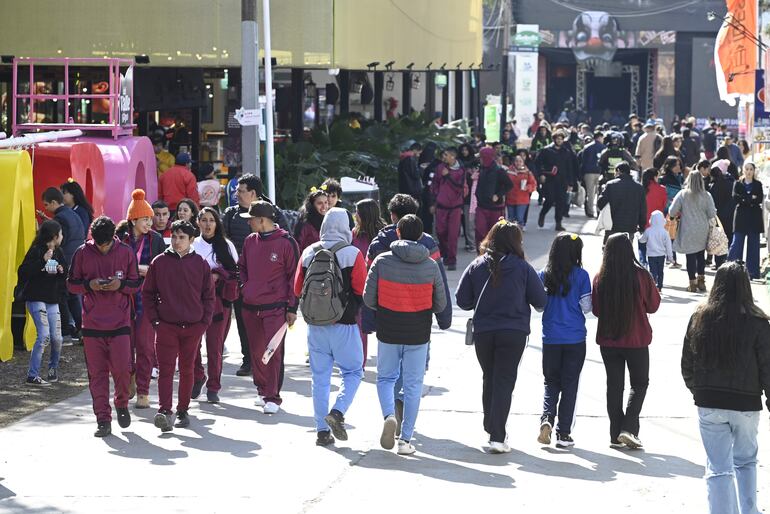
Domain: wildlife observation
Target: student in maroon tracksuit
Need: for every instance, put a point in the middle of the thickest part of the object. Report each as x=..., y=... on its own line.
x=104, y=271
x=178, y=298
x=267, y=265
x=448, y=189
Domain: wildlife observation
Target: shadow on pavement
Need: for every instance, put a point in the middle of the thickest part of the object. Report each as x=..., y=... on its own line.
x=255, y=414
x=137, y=447
x=208, y=441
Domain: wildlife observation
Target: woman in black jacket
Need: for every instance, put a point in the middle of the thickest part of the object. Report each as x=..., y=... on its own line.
x=721, y=190
x=747, y=223
x=41, y=285
x=726, y=365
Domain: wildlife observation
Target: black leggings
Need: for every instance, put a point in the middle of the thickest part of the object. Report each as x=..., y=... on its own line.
x=696, y=264
x=615, y=362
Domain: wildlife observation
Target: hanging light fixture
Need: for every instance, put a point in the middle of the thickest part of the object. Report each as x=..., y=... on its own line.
x=390, y=84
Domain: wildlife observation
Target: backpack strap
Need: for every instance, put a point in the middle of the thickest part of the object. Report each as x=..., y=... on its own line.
x=339, y=246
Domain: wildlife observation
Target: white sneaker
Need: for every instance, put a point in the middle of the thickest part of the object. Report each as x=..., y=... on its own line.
x=405, y=447
x=155, y=373
x=270, y=408
x=259, y=402
x=630, y=440
x=497, y=448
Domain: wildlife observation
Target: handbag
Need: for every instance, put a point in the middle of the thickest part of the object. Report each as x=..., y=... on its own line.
x=672, y=227
x=469, y=323
x=605, y=220
x=717, y=242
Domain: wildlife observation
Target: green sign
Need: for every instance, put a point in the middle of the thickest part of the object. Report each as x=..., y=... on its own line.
x=526, y=38
x=492, y=122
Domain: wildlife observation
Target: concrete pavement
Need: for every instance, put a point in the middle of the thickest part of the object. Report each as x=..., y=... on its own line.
x=234, y=456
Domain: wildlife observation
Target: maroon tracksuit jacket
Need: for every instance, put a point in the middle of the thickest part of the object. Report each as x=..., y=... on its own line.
x=106, y=321
x=449, y=193
x=267, y=265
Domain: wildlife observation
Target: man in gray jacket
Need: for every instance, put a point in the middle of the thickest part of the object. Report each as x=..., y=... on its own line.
x=405, y=288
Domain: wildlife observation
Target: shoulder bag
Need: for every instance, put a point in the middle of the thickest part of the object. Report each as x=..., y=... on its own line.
x=469, y=323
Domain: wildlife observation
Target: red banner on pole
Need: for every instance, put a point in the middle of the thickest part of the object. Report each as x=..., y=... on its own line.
x=735, y=53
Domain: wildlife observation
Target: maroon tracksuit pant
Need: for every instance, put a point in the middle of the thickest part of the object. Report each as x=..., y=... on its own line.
x=143, y=353
x=107, y=356
x=448, y=231
x=485, y=220
x=215, y=345
x=261, y=326
x=176, y=342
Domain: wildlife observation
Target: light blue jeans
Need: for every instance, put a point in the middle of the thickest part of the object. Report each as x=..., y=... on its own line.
x=407, y=362
x=328, y=345
x=398, y=388
x=48, y=326
x=730, y=440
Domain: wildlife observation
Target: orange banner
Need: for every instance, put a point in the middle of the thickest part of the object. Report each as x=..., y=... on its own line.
x=735, y=54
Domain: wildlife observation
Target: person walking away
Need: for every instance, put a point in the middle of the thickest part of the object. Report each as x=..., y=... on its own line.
x=657, y=246
x=627, y=201
x=672, y=180
x=160, y=220
x=748, y=224
x=336, y=339
x=74, y=235
x=448, y=190
x=222, y=258
x=517, y=198
x=178, y=182
x=623, y=296
x=556, y=165
x=178, y=298
x=726, y=367
x=368, y=225
x=491, y=190
x=75, y=199
x=721, y=190
x=500, y=286
x=655, y=197
x=589, y=171
x=404, y=286
x=647, y=146
x=710, y=140
x=308, y=229
x=42, y=281
x=209, y=188
x=267, y=266
x=104, y=271
x=146, y=245
x=691, y=146
x=564, y=336
x=409, y=175
x=696, y=212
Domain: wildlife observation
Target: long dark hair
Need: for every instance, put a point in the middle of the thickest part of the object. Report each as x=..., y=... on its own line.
x=667, y=148
x=669, y=164
x=193, y=207
x=308, y=213
x=47, y=232
x=718, y=326
x=565, y=255
x=219, y=242
x=648, y=178
x=78, y=195
x=369, y=221
x=617, y=287
x=503, y=239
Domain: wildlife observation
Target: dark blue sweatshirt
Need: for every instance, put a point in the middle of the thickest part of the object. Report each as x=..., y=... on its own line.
x=507, y=306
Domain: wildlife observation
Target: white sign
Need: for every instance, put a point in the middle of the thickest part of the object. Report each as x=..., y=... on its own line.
x=525, y=92
x=248, y=117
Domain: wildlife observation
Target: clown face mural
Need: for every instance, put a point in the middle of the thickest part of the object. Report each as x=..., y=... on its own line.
x=595, y=36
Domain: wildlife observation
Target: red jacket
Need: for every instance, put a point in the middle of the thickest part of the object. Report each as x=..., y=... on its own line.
x=448, y=190
x=176, y=183
x=516, y=195
x=307, y=236
x=105, y=313
x=656, y=200
x=179, y=290
x=640, y=333
x=267, y=266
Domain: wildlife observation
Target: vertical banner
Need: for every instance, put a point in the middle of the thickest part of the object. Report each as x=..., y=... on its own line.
x=735, y=54
x=492, y=120
x=524, y=46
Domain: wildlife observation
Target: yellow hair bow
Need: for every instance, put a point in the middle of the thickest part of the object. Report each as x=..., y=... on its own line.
x=70, y=180
x=502, y=221
x=573, y=236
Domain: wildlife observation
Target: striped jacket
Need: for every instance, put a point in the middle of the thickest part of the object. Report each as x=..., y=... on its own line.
x=405, y=287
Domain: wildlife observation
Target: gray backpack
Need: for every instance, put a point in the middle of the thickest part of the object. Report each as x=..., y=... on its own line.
x=324, y=298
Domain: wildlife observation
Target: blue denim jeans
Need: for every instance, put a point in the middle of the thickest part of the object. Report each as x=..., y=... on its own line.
x=516, y=213
x=730, y=440
x=48, y=326
x=328, y=345
x=408, y=362
x=398, y=388
x=657, y=265
x=752, y=252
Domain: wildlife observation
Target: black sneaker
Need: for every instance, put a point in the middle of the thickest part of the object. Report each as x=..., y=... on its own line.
x=182, y=419
x=451, y=267
x=164, y=420
x=197, y=387
x=124, y=418
x=399, y=416
x=559, y=228
x=212, y=397
x=103, y=429
x=336, y=422
x=564, y=440
x=37, y=381
x=53, y=375
x=541, y=219
x=244, y=370
x=76, y=336
x=324, y=438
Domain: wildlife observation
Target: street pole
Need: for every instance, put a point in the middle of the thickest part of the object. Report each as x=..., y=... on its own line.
x=249, y=85
x=269, y=150
x=504, y=67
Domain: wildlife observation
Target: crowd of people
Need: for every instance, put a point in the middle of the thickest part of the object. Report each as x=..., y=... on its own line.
x=144, y=292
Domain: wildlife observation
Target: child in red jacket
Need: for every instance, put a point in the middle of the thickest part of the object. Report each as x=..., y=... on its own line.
x=178, y=297
x=517, y=198
x=105, y=272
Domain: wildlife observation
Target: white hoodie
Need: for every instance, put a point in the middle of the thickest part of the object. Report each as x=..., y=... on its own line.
x=656, y=237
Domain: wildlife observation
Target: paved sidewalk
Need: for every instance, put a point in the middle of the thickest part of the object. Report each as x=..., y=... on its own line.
x=233, y=456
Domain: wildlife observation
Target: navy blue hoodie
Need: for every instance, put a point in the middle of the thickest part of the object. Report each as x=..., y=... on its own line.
x=507, y=306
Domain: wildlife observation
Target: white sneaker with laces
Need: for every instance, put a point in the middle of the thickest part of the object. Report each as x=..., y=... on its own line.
x=259, y=402
x=270, y=408
x=405, y=447
x=630, y=440
x=496, y=448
